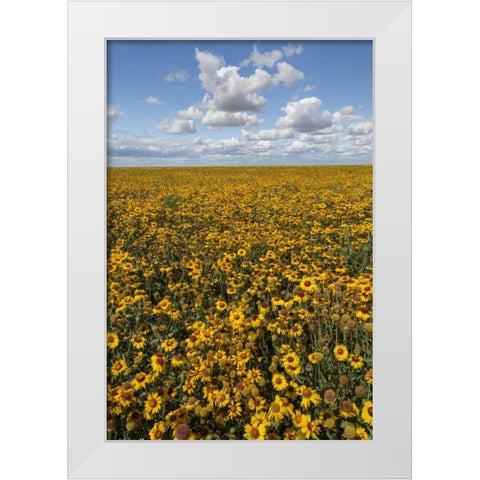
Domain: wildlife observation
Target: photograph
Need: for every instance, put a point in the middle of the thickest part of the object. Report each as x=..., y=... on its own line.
x=239, y=240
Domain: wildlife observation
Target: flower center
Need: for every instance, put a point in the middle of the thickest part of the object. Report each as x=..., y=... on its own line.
x=307, y=393
x=275, y=407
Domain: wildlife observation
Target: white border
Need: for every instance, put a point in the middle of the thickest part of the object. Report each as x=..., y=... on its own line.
x=389, y=454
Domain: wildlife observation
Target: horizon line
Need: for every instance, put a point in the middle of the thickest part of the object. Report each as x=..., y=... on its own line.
x=243, y=166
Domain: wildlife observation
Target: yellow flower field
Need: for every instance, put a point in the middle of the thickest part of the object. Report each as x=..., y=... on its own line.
x=239, y=303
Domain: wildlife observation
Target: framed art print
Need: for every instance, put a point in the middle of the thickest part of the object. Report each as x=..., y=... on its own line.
x=239, y=239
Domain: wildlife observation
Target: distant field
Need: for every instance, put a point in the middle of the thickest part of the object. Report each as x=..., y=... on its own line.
x=239, y=303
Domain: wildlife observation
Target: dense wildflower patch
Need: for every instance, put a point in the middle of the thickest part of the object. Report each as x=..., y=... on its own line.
x=239, y=303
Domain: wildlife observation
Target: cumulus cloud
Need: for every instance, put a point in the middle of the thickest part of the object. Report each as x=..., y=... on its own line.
x=138, y=150
x=304, y=116
x=309, y=88
x=176, y=126
x=218, y=119
x=290, y=50
x=333, y=129
x=153, y=101
x=319, y=139
x=299, y=146
x=361, y=128
x=264, y=135
x=114, y=113
x=137, y=146
x=267, y=59
x=364, y=140
x=346, y=114
x=191, y=113
x=179, y=76
x=230, y=92
x=287, y=74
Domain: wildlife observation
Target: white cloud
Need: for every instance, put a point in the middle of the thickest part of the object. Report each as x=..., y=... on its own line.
x=137, y=150
x=309, y=88
x=225, y=144
x=153, y=101
x=273, y=134
x=191, y=113
x=114, y=113
x=177, y=126
x=230, y=91
x=217, y=119
x=304, y=116
x=346, y=114
x=287, y=74
x=267, y=59
x=299, y=146
x=361, y=128
x=180, y=76
x=364, y=140
x=333, y=129
x=319, y=139
x=133, y=146
x=290, y=50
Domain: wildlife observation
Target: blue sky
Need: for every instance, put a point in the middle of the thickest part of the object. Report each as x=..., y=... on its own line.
x=178, y=103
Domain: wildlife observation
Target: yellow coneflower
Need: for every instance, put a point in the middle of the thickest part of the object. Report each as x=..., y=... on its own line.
x=315, y=357
x=260, y=418
x=221, y=305
x=295, y=330
x=310, y=428
x=169, y=345
x=308, y=284
x=257, y=403
x=363, y=314
x=178, y=360
x=297, y=416
x=308, y=396
x=340, y=352
x=138, y=341
x=367, y=413
x=289, y=434
x=234, y=410
x=222, y=398
x=140, y=381
x=112, y=340
x=118, y=367
x=279, y=382
x=276, y=411
x=255, y=432
x=293, y=370
x=348, y=409
x=290, y=360
x=356, y=361
x=291, y=390
x=152, y=405
x=158, y=431
x=159, y=362
x=361, y=433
